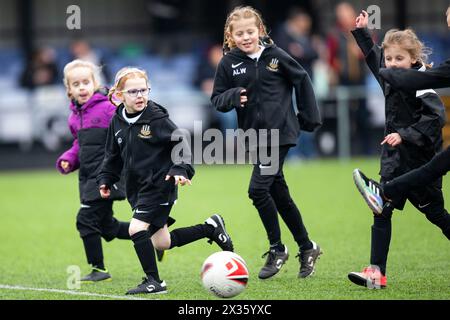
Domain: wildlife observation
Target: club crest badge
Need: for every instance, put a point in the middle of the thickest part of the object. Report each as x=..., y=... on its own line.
x=273, y=65
x=145, y=133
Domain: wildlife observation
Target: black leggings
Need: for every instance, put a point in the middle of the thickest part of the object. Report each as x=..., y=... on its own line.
x=270, y=195
x=428, y=200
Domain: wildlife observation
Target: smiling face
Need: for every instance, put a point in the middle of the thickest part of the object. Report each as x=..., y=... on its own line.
x=397, y=57
x=133, y=103
x=245, y=34
x=81, y=84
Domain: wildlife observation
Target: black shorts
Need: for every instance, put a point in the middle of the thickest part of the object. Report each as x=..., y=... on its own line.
x=96, y=217
x=428, y=199
x=155, y=215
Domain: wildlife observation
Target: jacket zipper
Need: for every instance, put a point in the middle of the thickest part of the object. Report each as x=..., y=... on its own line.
x=81, y=118
x=130, y=154
x=258, y=116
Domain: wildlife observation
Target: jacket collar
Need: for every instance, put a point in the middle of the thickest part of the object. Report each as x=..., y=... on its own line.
x=152, y=111
x=98, y=96
x=240, y=54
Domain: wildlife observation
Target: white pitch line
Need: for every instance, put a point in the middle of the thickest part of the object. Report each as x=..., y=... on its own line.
x=70, y=292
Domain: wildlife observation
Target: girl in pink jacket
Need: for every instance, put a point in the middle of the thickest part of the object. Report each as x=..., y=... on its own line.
x=88, y=123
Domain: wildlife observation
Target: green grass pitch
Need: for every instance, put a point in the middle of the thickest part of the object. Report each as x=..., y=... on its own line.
x=38, y=238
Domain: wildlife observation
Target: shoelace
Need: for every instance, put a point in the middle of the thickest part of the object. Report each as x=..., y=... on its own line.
x=144, y=280
x=370, y=269
x=301, y=256
x=271, y=255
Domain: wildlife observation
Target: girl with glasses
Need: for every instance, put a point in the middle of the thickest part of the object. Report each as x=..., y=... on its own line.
x=140, y=143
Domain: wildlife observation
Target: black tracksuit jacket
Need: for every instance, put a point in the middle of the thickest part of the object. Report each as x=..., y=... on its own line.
x=269, y=83
x=92, y=149
x=406, y=79
x=143, y=150
x=417, y=116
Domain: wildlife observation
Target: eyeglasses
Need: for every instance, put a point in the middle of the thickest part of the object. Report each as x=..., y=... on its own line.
x=135, y=92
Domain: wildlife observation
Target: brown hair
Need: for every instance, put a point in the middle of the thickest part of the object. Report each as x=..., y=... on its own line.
x=240, y=13
x=122, y=76
x=408, y=40
x=77, y=63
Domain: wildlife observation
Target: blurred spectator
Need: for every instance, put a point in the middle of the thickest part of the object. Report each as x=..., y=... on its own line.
x=294, y=36
x=347, y=62
x=81, y=49
x=40, y=70
x=346, y=58
x=204, y=80
x=205, y=73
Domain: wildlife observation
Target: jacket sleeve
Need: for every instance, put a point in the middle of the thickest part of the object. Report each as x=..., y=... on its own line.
x=180, y=148
x=372, y=52
x=410, y=79
x=308, y=112
x=112, y=164
x=428, y=129
x=70, y=155
x=224, y=98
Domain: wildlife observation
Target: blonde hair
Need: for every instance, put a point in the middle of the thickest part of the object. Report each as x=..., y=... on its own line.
x=81, y=64
x=122, y=76
x=242, y=13
x=408, y=40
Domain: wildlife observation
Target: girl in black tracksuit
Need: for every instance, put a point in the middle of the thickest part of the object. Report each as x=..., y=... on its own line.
x=256, y=79
x=140, y=143
x=416, y=118
x=404, y=79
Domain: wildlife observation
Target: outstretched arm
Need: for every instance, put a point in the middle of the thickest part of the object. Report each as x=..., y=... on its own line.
x=372, y=52
x=182, y=170
x=68, y=161
x=410, y=79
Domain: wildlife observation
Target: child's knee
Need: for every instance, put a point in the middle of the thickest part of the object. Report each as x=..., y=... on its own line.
x=257, y=194
x=161, y=239
x=136, y=227
x=161, y=244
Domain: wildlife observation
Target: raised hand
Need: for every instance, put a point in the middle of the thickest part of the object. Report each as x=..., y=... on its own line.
x=362, y=20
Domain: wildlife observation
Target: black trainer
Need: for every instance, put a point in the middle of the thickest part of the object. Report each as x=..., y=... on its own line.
x=307, y=260
x=274, y=262
x=96, y=275
x=219, y=235
x=371, y=191
x=149, y=286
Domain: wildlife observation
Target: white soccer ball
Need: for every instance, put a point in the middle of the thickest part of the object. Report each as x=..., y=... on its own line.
x=224, y=274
